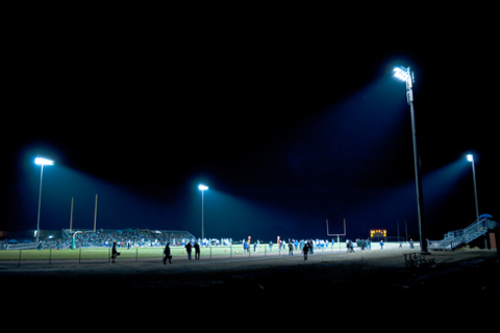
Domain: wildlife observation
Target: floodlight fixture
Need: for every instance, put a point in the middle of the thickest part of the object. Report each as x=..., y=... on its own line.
x=404, y=74
x=43, y=161
x=470, y=158
x=202, y=187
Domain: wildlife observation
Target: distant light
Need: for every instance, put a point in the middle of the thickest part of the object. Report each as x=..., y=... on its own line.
x=470, y=158
x=402, y=73
x=202, y=187
x=43, y=161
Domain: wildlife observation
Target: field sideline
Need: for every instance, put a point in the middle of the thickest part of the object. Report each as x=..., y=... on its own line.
x=155, y=252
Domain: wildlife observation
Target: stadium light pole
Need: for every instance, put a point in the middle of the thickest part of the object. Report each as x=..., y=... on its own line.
x=202, y=188
x=406, y=75
x=41, y=162
x=470, y=158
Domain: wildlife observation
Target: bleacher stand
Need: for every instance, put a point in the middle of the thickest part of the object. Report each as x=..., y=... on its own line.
x=129, y=238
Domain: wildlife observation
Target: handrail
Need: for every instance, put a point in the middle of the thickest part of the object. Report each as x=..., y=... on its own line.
x=456, y=238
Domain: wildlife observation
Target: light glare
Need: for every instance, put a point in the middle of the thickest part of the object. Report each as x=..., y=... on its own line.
x=43, y=161
x=402, y=74
x=470, y=158
x=202, y=187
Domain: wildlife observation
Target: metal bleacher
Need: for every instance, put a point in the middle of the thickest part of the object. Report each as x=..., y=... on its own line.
x=455, y=239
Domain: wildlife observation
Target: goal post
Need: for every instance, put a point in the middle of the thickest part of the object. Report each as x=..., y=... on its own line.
x=333, y=235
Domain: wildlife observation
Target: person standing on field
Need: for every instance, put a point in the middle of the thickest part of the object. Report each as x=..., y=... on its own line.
x=114, y=253
x=188, y=250
x=168, y=255
x=196, y=251
x=305, y=250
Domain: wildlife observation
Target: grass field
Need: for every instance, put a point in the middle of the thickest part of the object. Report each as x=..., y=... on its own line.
x=135, y=253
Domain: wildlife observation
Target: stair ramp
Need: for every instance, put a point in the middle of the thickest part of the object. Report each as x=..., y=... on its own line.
x=455, y=239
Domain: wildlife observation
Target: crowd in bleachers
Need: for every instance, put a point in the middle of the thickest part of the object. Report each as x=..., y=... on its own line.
x=105, y=238
x=130, y=238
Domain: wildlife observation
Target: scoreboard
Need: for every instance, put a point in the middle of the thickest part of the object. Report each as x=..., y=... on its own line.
x=378, y=233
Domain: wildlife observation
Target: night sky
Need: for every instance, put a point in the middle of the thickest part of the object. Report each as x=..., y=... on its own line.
x=289, y=122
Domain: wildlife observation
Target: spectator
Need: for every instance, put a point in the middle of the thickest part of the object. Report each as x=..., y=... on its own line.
x=188, y=249
x=305, y=250
x=114, y=252
x=196, y=251
x=167, y=253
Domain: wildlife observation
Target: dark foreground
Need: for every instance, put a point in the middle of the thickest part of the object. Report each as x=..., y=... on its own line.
x=374, y=283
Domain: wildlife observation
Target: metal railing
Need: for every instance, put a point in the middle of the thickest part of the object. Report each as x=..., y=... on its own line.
x=458, y=238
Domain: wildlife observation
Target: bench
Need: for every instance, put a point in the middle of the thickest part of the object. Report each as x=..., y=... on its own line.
x=415, y=260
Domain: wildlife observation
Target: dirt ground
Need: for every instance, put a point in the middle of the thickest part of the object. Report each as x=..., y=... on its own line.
x=374, y=281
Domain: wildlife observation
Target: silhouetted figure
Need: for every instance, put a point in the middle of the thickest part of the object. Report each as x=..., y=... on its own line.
x=196, y=251
x=114, y=252
x=188, y=250
x=305, y=250
x=168, y=255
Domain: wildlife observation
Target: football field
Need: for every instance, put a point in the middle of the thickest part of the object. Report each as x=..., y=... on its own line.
x=103, y=253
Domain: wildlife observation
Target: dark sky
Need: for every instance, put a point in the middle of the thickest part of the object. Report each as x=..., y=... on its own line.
x=290, y=120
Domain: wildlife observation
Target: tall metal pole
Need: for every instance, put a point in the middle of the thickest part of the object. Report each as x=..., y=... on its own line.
x=475, y=188
x=71, y=216
x=39, y=205
x=202, y=213
x=477, y=207
x=41, y=162
x=406, y=232
x=399, y=240
x=416, y=158
x=202, y=188
x=95, y=213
